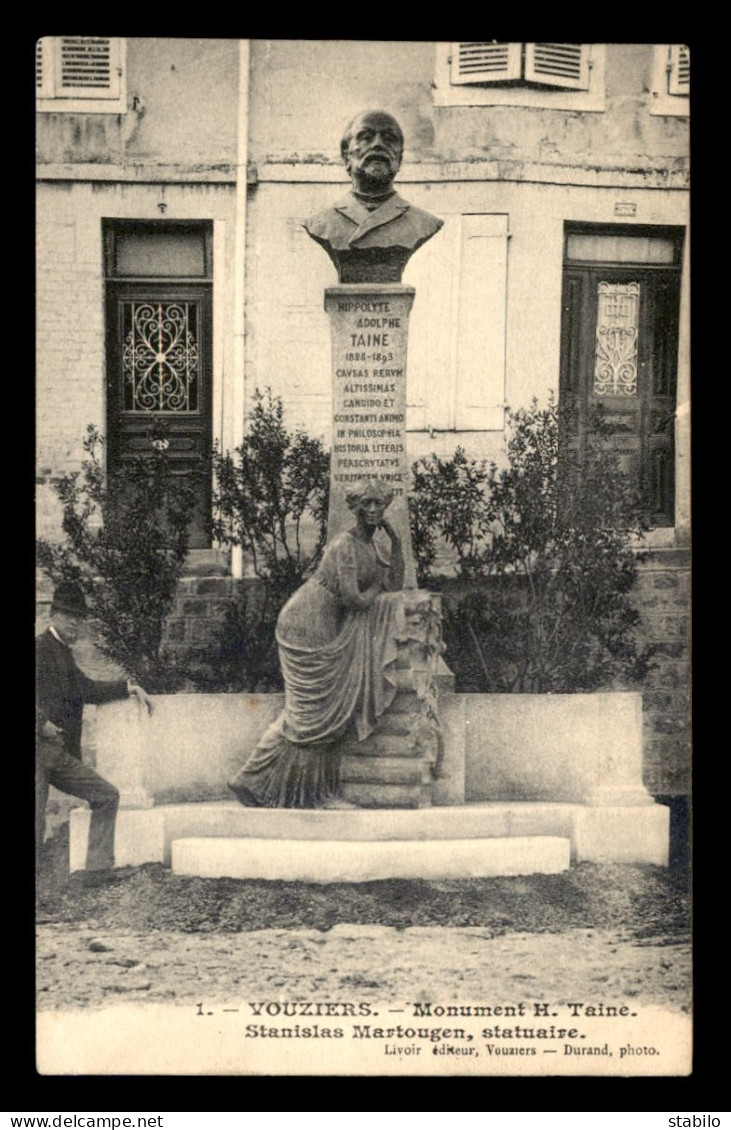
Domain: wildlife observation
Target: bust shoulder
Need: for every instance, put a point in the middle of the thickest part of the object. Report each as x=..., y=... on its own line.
x=321, y=223
x=427, y=222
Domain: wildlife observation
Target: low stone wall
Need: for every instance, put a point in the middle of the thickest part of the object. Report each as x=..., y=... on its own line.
x=560, y=748
x=583, y=748
x=662, y=596
x=186, y=751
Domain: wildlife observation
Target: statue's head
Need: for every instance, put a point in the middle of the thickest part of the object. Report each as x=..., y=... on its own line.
x=372, y=148
x=366, y=492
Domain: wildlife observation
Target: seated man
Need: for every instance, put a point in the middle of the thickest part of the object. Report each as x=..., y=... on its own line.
x=61, y=691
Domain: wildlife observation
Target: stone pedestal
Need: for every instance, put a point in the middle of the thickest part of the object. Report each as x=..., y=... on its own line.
x=369, y=326
x=399, y=763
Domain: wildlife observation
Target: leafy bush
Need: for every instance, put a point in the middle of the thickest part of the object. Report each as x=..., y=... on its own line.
x=546, y=551
x=125, y=542
x=449, y=498
x=271, y=499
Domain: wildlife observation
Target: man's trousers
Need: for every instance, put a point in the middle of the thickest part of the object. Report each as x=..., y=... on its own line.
x=54, y=766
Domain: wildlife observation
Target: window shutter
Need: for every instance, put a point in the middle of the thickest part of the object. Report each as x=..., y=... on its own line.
x=485, y=62
x=480, y=324
x=88, y=67
x=429, y=393
x=39, y=64
x=679, y=70
x=558, y=64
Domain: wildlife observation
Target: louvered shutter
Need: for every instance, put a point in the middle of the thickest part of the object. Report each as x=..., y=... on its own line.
x=39, y=64
x=485, y=62
x=679, y=70
x=558, y=64
x=87, y=67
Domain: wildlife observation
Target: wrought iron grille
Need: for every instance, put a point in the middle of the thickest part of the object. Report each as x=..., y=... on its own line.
x=615, y=371
x=160, y=357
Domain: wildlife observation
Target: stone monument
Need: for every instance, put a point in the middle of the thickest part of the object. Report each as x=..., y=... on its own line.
x=520, y=783
x=370, y=234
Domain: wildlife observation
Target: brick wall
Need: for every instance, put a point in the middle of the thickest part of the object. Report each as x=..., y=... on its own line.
x=69, y=342
x=201, y=604
x=663, y=598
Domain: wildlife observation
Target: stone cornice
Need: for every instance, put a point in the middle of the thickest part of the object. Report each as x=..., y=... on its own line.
x=673, y=175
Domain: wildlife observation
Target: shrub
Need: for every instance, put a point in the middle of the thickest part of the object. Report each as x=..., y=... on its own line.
x=551, y=539
x=271, y=499
x=125, y=542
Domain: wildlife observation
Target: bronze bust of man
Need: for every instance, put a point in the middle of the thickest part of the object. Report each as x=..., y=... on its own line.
x=372, y=232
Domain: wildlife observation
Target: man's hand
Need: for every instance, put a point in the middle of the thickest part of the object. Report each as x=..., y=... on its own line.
x=142, y=697
x=51, y=730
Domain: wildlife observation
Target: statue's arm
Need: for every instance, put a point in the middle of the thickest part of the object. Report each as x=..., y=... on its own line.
x=350, y=594
x=394, y=578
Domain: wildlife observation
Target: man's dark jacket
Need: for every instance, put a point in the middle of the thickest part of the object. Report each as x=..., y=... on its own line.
x=62, y=689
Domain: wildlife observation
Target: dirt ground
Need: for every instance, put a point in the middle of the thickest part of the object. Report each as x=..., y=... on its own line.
x=602, y=931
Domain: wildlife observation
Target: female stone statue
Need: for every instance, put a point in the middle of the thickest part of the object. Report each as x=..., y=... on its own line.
x=336, y=639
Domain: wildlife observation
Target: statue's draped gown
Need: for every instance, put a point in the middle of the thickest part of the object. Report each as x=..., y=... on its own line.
x=335, y=661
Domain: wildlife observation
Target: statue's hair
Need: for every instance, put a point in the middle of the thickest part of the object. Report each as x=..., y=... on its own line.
x=348, y=131
x=356, y=492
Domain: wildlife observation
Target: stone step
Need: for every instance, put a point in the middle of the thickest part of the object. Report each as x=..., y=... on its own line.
x=405, y=702
x=381, y=744
x=369, y=795
x=628, y=835
x=385, y=770
x=397, y=725
x=356, y=861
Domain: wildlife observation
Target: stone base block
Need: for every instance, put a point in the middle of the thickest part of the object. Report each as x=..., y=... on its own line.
x=357, y=862
x=139, y=837
x=385, y=770
x=381, y=744
x=623, y=835
x=374, y=795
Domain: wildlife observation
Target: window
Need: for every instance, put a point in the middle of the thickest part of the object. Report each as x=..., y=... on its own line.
x=80, y=74
x=619, y=349
x=671, y=80
x=159, y=345
x=565, y=76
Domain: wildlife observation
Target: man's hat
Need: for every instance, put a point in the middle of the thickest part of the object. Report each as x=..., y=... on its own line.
x=69, y=598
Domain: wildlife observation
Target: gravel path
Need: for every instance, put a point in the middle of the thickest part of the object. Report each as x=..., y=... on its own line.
x=161, y=973
x=158, y=936
x=78, y=966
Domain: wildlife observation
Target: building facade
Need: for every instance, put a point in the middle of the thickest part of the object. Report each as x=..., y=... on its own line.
x=173, y=179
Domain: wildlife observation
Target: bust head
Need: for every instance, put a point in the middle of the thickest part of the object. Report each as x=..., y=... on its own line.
x=372, y=147
x=371, y=234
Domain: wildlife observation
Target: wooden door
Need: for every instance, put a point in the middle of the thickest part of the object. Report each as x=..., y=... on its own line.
x=159, y=369
x=619, y=356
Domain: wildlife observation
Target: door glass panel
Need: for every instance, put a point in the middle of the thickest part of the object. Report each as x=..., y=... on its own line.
x=160, y=357
x=654, y=250
x=162, y=254
x=617, y=324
